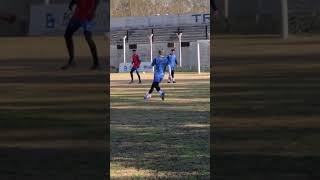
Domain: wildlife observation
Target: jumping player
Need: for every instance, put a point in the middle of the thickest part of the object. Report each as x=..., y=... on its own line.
x=82, y=17
x=135, y=65
x=160, y=63
x=172, y=60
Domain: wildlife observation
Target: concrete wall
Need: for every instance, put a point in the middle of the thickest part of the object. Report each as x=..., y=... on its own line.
x=159, y=21
x=189, y=54
x=51, y=19
x=21, y=8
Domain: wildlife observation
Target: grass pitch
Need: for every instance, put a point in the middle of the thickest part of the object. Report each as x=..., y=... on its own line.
x=265, y=113
x=52, y=122
x=160, y=139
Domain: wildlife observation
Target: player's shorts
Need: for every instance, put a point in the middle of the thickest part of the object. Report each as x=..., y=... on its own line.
x=173, y=68
x=75, y=24
x=158, y=78
x=134, y=69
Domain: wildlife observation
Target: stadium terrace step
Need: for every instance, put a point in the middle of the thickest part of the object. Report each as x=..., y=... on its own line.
x=164, y=34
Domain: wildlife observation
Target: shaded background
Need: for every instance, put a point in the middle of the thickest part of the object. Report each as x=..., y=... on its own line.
x=21, y=8
x=263, y=16
x=265, y=93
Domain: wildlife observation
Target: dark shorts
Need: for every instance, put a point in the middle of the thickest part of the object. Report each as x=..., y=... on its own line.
x=74, y=25
x=134, y=69
x=158, y=78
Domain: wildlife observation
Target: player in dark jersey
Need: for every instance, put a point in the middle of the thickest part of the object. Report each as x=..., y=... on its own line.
x=135, y=65
x=172, y=60
x=160, y=63
x=82, y=18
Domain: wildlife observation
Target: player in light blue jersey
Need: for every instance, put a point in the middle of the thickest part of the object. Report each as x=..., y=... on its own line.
x=160, y=63
x=172, y=60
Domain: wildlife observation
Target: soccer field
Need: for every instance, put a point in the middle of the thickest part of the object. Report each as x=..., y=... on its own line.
x=266, y=107
x=52, y=122
x=160, y=139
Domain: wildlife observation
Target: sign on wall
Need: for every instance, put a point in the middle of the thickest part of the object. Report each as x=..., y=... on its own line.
x=144, y=67
x=160, y=21
x=52, y=19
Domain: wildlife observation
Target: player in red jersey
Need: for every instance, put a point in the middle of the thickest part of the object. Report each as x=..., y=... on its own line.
x=135, y=65
x=82, y=18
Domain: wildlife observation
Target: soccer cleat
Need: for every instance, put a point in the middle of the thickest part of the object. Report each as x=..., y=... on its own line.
x=162, y=96
x=69, y=65
x=147, y=96
x=140, y=82
x=169, y=81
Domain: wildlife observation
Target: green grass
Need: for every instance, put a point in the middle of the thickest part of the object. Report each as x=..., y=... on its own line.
x=52, y=122
x=156, y=139
x=265, y=109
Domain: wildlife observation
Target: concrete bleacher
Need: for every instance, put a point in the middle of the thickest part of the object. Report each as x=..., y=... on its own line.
x=161, y=34
x=164, y=30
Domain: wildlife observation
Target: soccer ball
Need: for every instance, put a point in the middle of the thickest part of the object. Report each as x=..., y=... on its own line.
x=147, y=96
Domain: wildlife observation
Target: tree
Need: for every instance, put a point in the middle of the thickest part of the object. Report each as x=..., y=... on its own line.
x=153, y=7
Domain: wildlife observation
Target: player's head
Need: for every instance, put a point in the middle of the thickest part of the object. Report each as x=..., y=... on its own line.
x=173, y=51
x=134, y=51
x=161, y=52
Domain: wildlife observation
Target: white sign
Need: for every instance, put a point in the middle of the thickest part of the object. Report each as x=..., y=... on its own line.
x=53, y=19
x=144, y=67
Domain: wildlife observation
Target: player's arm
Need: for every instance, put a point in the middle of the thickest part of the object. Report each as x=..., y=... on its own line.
x=175, y=59
x=168, y=64
x=71, y=4
x=139, y=58
x=153, y=62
